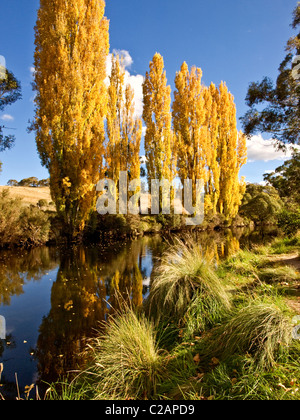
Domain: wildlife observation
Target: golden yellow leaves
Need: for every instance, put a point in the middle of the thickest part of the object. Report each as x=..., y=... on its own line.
x=72, y=44
x=124, y=130
x=159, y=138
x=209, y=145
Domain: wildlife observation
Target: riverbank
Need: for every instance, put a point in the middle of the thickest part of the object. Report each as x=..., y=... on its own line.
x=28, y=219
x=204, y=332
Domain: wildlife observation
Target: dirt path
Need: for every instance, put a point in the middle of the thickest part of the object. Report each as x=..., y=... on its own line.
x=288, y=259
x=292, y=260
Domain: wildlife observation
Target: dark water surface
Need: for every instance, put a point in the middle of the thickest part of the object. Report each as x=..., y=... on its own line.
x=52, y=298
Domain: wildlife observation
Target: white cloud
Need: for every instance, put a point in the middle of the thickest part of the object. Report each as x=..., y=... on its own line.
x=135, y=81
x=143, y=160
x=127, y=60
x=7, y=117
x=260, y=149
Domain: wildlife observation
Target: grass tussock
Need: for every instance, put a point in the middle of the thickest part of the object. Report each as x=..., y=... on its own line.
x=203, y=333
x=260, y=328
x=127, y=362
x=184, y=277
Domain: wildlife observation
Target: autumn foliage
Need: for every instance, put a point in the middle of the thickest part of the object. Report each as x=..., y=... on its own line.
x=86, y=125
x=203, y=142
x=124, y=129
x=72, y=44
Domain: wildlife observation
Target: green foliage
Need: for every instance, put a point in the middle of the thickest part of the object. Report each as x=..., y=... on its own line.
x=10, y=210
x=285, y=245
x=12, y=183
x=127, y=362
x=281, y=116
x=240, y=378
x=35, y=226
x=10, y=92
x=289, y=221
x=44, y=182
x=29, y=182
x=286, y=179
x=260, y=203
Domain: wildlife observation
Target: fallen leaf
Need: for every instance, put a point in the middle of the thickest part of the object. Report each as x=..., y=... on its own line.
x=215, y=361
x=197, y=358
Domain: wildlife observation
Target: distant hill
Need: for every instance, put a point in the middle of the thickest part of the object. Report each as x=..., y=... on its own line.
x=30, y=195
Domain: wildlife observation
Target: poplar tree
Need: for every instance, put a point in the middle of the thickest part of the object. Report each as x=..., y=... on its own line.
x=213, y=122
x=72, y=44
x=209, y=145
x=231, y=155
x=124, y=130
x=159, y=138
x=190, y=124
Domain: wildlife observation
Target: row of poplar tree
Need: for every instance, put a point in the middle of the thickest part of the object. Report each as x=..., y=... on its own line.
x=86, y=130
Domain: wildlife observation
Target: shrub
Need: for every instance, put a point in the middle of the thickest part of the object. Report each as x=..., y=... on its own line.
x=21, y=225
x=35, y=226
x=42, y=203
x=10, y=211
x=289, y=221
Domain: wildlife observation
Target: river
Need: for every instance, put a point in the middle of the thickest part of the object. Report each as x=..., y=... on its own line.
x=53, y=299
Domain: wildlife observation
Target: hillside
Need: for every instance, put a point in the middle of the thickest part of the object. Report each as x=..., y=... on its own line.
x=29, y=195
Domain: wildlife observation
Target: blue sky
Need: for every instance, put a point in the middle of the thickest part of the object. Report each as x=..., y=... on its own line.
x=237, y=41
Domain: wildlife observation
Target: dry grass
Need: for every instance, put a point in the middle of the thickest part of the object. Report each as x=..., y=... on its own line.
x=29, y=195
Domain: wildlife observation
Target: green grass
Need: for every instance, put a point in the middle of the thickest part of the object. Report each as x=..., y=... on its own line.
x=280, y=274
x=127, y=362
x=260, y=329
x=185, y=275
x=286, y=245
x=204, y=333
x=240, y=378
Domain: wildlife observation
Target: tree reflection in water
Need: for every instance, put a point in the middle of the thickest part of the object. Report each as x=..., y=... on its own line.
x=86, y=290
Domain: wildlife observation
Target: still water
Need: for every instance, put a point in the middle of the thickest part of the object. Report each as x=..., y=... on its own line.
x=53, y=299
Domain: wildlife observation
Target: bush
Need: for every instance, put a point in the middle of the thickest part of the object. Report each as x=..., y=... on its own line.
x=35, y=226
x=10, y=211
x=21, y=225
x=42, y=203
x=289, y=221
